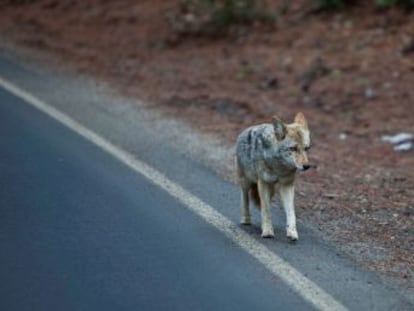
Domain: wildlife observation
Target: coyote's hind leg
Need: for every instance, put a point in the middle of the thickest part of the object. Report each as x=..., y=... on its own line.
x=244, y=206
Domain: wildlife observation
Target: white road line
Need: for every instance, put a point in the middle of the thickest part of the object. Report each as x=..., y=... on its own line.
x=276, y=265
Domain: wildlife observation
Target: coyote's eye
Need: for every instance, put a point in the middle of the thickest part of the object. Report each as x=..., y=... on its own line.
x=293, y=149
x=307, y=148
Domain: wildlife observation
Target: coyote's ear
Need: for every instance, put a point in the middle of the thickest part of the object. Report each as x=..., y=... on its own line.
x=279, y=127
x=300, y=119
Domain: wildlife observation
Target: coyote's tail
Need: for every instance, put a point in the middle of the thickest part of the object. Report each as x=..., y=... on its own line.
x=254, y=195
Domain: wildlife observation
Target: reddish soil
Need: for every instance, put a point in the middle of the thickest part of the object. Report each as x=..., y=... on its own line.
x=351, y=73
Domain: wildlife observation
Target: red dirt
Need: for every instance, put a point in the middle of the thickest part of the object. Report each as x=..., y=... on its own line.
x=362, y=192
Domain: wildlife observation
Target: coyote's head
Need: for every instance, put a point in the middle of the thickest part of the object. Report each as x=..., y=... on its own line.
x=293, y=142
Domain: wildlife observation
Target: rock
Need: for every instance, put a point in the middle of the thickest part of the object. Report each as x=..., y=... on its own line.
x=342, y=136
x=401, y=141
x=397, y=138
x=404, y=146
x=369, y=93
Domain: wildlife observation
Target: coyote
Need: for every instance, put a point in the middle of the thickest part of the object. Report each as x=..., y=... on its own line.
x=267, y=158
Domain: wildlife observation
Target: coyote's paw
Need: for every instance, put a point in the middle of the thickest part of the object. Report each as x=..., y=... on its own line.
x=245, y=221
x=268, y=233
x=292, y=234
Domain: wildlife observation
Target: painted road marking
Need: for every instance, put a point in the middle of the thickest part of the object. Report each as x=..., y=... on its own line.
x=280, y=268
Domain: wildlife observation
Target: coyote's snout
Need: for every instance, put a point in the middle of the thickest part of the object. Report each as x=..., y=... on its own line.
x=267, y=158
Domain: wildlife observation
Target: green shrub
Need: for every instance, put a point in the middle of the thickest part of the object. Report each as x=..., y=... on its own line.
x=406, y=4
x=224, y=13
x=340, y=4
x=17, y=2
x=331, y=4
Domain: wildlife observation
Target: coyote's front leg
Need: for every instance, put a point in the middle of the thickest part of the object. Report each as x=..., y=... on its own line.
x=265, y=194
x=287, y=195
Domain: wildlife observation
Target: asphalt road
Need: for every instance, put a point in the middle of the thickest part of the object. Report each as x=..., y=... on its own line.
x=81, y=231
